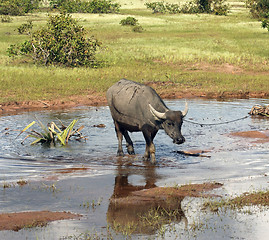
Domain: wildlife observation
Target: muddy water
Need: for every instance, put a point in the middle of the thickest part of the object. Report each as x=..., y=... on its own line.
x=240, y=164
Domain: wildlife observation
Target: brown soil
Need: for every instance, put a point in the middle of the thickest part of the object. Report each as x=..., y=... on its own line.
x=191, y=190
x=71, y=170
x=159, y=194
x=170, y=92
x=261, y=136
x=74, y=101
x=17, y=221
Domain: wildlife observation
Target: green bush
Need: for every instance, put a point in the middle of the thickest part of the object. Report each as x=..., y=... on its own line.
x=161, y=7
x=265, y=24
x=92, y=6
x=258, y=8
x=190, y=7
x=129, y=21
x=18, y=7
x=61, y=42
x=217, y=7
x=204, y=6
x=25, y=28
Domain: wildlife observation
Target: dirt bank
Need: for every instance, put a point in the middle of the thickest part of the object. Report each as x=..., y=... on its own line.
x=17, y=221
x=95, y=99
x=74, y=101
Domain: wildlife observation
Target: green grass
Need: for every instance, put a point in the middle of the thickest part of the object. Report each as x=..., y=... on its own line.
x=197, y=52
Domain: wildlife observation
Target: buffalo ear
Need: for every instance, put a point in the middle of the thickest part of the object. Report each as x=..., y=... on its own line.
x=157, y=115
x=184, y=113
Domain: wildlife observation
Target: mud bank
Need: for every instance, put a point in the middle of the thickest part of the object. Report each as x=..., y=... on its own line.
x=17, y=221
x=259, y=136
x=95, y=99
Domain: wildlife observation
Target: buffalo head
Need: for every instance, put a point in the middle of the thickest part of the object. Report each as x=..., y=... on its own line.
x=171, y=122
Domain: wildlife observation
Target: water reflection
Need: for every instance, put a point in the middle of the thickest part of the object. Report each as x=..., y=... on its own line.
x=133, y=210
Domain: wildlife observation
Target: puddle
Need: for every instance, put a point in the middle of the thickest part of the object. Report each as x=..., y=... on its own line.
x=83, y=177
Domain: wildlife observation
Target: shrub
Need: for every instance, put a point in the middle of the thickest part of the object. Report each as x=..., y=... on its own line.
x=25, y=28
x=204, y=6
x=6, y=19
x=61, y=42
x=258, y=8
x=18, y=7
x=92, y=6
x=265, y=24
x=161, y=7
x=190, y=7
x=129, y=21
x=217, y=7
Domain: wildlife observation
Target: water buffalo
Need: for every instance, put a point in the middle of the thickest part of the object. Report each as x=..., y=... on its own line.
x=135, y=107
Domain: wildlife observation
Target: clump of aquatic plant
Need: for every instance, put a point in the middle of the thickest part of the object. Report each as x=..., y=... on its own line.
x=260, y=110
x=52, y=133
x=258, y=198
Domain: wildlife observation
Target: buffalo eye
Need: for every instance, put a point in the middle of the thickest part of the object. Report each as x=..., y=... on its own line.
x=171, y=124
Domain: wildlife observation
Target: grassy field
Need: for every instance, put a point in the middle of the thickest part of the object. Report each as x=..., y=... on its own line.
x=198, y=52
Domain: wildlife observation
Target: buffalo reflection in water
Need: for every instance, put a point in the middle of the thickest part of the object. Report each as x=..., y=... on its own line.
x=132, y=209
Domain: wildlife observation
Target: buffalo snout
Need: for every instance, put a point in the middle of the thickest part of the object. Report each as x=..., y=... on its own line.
x=179, y=140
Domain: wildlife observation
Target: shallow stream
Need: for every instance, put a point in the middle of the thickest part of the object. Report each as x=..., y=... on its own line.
x=241, y=164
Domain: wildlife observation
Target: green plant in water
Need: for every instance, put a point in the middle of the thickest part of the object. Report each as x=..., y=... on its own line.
x=53, y=133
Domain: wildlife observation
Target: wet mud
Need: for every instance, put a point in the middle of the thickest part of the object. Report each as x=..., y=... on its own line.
x=260, y=136
x=17, y=221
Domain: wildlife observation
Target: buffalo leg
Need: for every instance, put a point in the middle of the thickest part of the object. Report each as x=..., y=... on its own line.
x=150, y=147
x=129, y=143
x=120, y=137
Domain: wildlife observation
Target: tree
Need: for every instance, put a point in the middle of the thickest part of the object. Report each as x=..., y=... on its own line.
x=258, y=8
x=18, y=7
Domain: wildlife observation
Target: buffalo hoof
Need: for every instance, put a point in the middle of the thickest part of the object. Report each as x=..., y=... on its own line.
x=120, y=154
x=146, y=158
x=130, y=150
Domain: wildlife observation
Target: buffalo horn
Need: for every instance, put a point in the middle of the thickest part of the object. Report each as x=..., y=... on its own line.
x=157, y=114
x=184, y=113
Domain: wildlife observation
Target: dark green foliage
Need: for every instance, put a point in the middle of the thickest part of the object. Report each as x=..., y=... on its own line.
x=258, y=8
x=265, y=24
x=18, y=7
x=161, y=7
x=190, y=7
x=217, y=7
x=25, y=28
x=129, y=21
x=92, y=6
x=61, y=42
x=204, y=6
